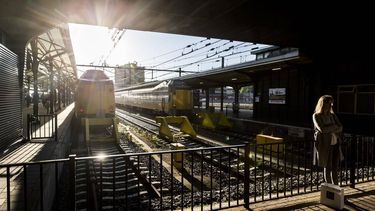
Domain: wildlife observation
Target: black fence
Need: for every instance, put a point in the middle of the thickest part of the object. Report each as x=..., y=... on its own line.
x=42, y=126
x=204, y=178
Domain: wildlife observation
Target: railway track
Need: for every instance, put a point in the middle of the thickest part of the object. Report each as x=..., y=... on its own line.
x=115, y=182
x=268, y=173
x=222, y=160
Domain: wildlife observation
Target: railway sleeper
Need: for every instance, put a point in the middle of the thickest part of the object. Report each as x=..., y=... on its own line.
x=81, y=205
x=121, y=182
x=81, y=166
x=109, y=185
x=165, y=190
x=110, y=173
x=128, y=188
x=156, y=183
x=81, y=180
x=109, y=162
x=109, y=177
x=81, y=195
x=239, y=165
x=117, y=168
x=81, y=187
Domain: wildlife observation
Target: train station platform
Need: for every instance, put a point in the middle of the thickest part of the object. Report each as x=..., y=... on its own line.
x=35, y=150
x=362, y=197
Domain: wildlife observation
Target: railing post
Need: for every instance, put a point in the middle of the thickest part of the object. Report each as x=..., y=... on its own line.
x=247, y=175
x=353, y=159
x=55, y=116
x=28, y=127
x=72, y=182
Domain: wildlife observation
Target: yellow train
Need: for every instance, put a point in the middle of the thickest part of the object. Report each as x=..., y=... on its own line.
x=172, y=97
x=94, y=95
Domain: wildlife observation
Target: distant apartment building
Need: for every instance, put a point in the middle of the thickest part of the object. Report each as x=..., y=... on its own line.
x=129, y=74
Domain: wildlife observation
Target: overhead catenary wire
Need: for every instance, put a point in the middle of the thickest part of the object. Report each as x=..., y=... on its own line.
x=115, y=37
x=169, y=60
x=173, y=51
x=208, y=58
x=203, y=53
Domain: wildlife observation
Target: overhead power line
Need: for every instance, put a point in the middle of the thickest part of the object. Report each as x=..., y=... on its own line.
x=136, y=68
x=208, y=44
x=208, y=56
x=115, y=37
x=164, y=54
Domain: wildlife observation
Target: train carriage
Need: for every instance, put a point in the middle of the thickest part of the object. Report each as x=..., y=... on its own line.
x=171, y=97
x=95, y=95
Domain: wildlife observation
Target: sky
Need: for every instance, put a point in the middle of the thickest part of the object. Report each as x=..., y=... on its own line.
x=154, y=50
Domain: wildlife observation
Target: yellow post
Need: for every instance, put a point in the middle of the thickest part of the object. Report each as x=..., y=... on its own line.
x=214, y=120
x=223, y=121
x=265, y=139
x=206, y=121
x=87, y=130
x=185, y=127
x=164, y=129
x=88, y=122
x=177, y=157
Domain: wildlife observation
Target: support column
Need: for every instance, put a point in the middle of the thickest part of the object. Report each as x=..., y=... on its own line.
x=236, y=104
x=256, y=99
x=52, y=90
x=35, y=67
x=69, y=92
x=221, y=98
x=64, y=92
x=207, y=98
x=59, y=88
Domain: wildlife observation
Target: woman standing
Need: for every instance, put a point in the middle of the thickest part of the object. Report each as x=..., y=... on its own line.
x=327, y=132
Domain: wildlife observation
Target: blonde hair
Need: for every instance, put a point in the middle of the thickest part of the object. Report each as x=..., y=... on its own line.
x=321, y=101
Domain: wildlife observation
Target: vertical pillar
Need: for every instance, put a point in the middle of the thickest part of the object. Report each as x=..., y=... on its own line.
x=72, y=182
x=207, y=98
x=67, y=92
x=62, y=88
x=59, y=88
x=130, y=76
x=28, y=81
x=246, y=194
x=256, y=98
x=236, y=104
x=353, y=159
x=221, y=98
x=35, y=67
x=52, y=89
x=179, y=72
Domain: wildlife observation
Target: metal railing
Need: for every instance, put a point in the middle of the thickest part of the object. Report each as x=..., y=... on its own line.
x=41, y=126
x=27, y=183
x=203, y=178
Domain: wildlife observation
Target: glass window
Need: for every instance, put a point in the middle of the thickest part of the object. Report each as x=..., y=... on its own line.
x=356, y=99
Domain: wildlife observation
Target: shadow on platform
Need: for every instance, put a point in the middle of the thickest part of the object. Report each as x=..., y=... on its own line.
x=360, y=198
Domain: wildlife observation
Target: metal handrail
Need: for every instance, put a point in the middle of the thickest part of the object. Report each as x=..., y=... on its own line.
x=269, y=171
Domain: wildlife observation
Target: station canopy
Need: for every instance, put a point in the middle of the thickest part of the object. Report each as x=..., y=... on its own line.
x=54, y=52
